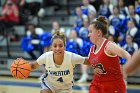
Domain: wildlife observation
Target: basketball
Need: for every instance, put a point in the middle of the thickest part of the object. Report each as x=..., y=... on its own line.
x=20, y=69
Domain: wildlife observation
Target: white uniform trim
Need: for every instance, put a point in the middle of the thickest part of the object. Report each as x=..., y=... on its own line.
x=107, y=53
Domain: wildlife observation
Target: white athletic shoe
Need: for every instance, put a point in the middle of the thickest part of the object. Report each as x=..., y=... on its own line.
x=83, y=78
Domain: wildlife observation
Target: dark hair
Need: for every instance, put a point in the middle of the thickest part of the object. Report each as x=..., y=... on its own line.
x=130, y=36
x=31, y=24
x=59, y=35
x=116, y=7
x=101, y=23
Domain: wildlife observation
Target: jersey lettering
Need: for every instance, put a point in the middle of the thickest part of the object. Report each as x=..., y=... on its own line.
x=59, y=73
x=60, y=79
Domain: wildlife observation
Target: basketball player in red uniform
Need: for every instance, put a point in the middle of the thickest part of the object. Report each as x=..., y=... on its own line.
x=104, y=57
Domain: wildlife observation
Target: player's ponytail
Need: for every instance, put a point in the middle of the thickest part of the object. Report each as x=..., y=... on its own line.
x=102, y=24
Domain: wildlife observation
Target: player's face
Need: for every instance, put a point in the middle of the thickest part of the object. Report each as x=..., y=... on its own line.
x=93, y=33
x=58, y=46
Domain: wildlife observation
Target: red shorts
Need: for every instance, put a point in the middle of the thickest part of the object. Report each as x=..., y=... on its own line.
x=108, y=87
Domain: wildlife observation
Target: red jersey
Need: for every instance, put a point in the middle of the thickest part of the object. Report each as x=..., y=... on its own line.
x=112, y=79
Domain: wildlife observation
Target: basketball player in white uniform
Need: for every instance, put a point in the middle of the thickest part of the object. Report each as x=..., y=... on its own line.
x=59, y=77
x=59, y=65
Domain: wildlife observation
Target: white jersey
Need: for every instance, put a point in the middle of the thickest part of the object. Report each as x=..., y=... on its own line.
x=60, y=77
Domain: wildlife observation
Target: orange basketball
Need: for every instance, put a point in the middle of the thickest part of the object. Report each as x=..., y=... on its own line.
x=20, y=69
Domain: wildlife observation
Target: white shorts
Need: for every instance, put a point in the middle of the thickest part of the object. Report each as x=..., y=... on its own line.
x=45, y=85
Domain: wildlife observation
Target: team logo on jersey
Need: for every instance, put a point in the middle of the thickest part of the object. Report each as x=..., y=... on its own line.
x=94, y=61
x=99, y=65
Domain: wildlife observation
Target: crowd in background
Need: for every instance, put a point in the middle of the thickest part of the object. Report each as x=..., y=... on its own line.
x=123, y=19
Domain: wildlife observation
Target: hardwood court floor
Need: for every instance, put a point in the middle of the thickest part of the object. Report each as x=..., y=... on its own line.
x=31, y=85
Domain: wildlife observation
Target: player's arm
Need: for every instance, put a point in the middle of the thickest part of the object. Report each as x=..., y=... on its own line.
x=38, y=62
x=34, y=65
x=77, y=59
x=133, y=63
x=86, y=62
x=113, y=49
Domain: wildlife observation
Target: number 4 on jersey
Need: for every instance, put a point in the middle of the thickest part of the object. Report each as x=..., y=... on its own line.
x=60, y=79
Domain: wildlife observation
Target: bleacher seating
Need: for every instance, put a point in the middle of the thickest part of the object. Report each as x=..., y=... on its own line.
x=61, y=16
x=64, y=18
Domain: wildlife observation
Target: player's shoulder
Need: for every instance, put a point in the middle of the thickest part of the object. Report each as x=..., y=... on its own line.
x=110, y=43
x=48, y=53
x=68, y=53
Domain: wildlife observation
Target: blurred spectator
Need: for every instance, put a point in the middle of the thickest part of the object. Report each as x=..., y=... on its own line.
x=114, y=2
x=87, y=7
x=79, y=17
x=137, y=7
x=113, y=32
x=56, y=27
x=83, y=33
x=33, y=35
x=73, y=36
x=116, y=21
x=110, y=38
x=92, y=16
x=79, y=46
x=130, y=46
x=132, y=15
x=116, y=18
x=10, y=15
x=131, y=29
x=137, y=3
x=19, y=2
x=36, y=39
x=106, y=9
x=45, y=41
x=122, y=9
x=23, y=16
x=121, y=40
x=96, y=3
x=118, y=36
x=73, y=43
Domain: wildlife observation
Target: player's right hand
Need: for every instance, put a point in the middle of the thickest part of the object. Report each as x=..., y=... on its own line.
x=98, y=71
